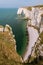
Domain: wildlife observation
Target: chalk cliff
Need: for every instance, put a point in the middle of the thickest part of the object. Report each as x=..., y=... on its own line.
x=34, y=14
x=34, y=27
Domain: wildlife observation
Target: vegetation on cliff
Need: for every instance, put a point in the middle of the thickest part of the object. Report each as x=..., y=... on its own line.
x=8, y=54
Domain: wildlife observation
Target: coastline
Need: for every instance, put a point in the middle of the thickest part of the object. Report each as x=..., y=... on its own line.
x=33, y=28
x=30, y=38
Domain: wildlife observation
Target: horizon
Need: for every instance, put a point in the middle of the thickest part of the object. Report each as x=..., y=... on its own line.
x=18, y=3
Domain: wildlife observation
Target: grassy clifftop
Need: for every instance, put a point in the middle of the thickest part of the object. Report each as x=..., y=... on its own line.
x=8, y=54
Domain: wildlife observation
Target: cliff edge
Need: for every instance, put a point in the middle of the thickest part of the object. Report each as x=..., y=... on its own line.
x=34, y=15
x=8, y=54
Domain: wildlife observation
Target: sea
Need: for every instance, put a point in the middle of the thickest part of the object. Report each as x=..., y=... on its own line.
x=9, y=16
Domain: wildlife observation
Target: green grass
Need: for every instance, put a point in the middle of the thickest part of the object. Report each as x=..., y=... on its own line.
x=8, y=54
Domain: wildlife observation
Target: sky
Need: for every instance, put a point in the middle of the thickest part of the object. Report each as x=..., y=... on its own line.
x=19, y=3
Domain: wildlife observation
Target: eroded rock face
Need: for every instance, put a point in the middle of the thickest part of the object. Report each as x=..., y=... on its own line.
x=37, y=50
x=24, y=11
x=34, y=15
x=33, y=35
x=34, y=21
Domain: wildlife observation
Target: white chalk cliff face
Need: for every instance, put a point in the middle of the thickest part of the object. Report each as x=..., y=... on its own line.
x=24, y=11
x=34, y=15
x=33, y=35
x=34, y=22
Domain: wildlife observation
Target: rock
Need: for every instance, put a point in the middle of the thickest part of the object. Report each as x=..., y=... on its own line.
x=35, y=20
x=34, y=15
x=38, y=48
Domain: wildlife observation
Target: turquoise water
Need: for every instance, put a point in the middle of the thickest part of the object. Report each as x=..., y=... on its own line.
x=9, y=16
